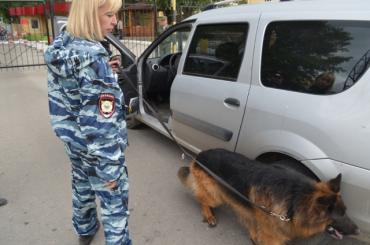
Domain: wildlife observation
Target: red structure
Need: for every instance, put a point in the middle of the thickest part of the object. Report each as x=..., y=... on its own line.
x=59, y=8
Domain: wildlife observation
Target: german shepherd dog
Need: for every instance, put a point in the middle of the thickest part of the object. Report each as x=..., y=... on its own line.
x=273, y=192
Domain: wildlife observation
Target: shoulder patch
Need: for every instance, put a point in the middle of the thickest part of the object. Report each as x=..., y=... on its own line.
x=106, y=105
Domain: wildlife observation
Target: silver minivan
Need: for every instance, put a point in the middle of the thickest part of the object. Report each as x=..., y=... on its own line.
x=272, y=81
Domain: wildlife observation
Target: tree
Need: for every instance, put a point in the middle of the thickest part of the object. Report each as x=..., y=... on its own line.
x=188, y=7
x=166, y=4
x=4, y=11
x=4, y=8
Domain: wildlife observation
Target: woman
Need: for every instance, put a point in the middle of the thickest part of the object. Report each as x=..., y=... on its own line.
x=85, y=103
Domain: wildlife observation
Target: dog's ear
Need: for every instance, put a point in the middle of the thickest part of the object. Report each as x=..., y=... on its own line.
x=334, y=184
x=327, y=200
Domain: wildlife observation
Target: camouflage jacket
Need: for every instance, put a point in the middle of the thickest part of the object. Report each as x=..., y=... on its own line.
x=85, y=101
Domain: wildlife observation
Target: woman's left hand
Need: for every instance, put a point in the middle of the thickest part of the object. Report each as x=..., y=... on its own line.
x=115, y=64
x=111, y=185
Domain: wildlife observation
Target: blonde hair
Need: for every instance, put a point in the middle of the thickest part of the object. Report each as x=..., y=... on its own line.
x=83, y=20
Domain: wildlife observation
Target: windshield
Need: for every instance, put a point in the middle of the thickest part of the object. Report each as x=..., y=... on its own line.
x=174, y=43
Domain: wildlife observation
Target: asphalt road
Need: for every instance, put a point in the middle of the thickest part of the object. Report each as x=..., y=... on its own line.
x=35, y=178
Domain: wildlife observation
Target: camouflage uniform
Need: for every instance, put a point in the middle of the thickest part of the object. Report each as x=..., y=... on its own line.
x=85, y=103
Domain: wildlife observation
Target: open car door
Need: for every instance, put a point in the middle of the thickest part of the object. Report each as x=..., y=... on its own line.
x=128, y=69
x=156, y=70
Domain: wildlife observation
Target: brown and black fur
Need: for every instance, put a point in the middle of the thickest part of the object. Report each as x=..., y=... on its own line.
x=311, y=205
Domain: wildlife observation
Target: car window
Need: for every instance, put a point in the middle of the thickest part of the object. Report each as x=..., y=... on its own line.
x=317, y=57
x=174, y=43
x=216, y=51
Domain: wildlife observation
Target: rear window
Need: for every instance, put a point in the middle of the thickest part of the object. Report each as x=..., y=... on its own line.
x=216, y=51
x=317, y=57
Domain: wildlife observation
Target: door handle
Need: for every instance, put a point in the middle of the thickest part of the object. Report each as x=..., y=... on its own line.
x=232, y=102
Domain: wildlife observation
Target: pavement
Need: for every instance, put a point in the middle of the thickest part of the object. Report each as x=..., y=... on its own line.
x=35, y=178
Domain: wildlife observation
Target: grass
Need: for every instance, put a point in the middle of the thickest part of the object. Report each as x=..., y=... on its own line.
x=36, y=37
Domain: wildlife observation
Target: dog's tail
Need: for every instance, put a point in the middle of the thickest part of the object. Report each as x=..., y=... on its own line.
x=183, y=174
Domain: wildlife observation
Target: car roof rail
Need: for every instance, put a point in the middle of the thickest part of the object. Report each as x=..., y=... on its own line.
x=227, y=3
x=220, y=4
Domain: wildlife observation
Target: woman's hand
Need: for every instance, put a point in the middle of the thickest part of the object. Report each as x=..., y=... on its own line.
x=111, y=185
x=115, y=64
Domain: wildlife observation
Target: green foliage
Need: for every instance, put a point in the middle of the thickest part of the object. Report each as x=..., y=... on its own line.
x=194, y=2
x=4, y=12
x=4, y=8
x=36, y=37
x=166, y=4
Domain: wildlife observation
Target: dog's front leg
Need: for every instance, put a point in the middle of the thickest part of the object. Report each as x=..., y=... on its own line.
x=208, y=215
x=253, y=242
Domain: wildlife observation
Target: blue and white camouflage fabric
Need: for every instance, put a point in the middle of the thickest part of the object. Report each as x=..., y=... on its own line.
x=87, y=114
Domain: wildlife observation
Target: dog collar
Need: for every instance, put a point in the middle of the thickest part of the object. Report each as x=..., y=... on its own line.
x=284, y=218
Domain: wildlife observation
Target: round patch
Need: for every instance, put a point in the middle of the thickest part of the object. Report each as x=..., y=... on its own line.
x=106, y=105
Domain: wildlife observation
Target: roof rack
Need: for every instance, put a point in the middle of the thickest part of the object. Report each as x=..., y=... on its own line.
x=221, y=4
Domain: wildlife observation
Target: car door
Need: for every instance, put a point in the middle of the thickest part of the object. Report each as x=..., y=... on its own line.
x=127, y=76
x=158, y=64
x=210, y=91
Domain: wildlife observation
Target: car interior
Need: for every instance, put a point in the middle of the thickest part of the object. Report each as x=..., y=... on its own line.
x=159, y=71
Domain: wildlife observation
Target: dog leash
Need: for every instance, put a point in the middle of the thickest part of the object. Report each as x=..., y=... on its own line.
x=185, y=154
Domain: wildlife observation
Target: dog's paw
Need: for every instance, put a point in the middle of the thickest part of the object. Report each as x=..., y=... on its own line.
x=211, y=221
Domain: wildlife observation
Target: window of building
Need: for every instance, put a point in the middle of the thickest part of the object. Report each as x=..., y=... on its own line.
x=317, y=57
x=216, y=51
x=35, y=24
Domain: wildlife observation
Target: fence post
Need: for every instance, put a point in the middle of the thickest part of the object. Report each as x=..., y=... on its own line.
x=155, y=21
x=173, y=7
x=49, y=13
x=52, y=17
x=180, y=18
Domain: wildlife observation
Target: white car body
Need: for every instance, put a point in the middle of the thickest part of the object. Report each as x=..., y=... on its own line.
x=328, y=134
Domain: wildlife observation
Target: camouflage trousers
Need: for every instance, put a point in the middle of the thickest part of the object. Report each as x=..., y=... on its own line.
x=86, y=185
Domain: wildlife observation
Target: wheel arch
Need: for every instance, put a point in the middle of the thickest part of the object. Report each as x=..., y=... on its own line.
x=287, y=161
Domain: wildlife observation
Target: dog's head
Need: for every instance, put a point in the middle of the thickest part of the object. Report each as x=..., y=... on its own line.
x=331, y=206
x=329, y=199
x=342, y=226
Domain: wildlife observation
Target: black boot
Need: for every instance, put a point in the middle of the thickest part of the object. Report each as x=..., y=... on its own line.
x=86, y=240
x=3, y=202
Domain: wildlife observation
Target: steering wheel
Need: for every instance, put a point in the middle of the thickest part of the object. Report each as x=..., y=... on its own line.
x=173, y=63
x=172, y=67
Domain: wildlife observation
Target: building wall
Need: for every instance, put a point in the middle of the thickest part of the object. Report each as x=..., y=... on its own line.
x=29, y=25
x=33, y=24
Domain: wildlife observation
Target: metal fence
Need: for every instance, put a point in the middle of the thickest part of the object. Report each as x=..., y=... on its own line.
x=142, y=23
x=185, y=11
x=139, y=26
x=20, y=49
x=24, y=40
x=21, y=53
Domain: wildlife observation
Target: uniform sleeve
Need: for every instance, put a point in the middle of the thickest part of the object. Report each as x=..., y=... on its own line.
x=101, y=119
x=65, y=62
